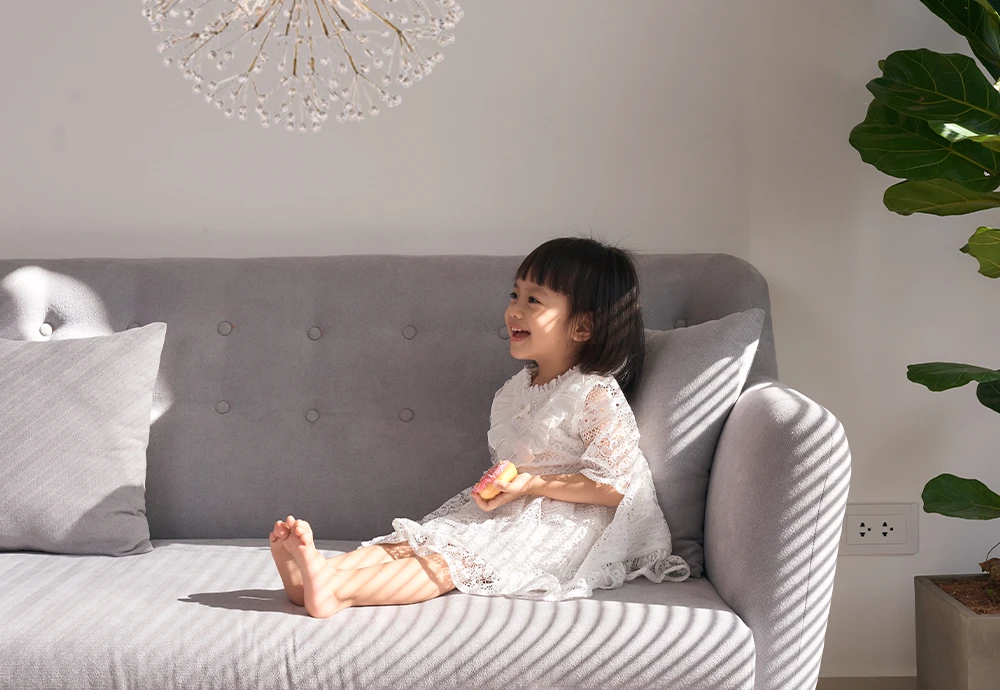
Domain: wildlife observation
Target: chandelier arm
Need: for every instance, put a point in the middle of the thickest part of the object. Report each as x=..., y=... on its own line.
x=322, y=19
x=198, y=48
x=167, y=5
x=295, y=55
x=267, y=12
x=399, y=32
x=342, y=20
x=256, y=57
x=312, y=45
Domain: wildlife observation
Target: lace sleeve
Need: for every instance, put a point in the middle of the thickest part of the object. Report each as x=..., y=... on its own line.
x=608, y=427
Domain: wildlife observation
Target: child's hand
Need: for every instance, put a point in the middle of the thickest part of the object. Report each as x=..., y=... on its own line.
x=509, y=491
x=494, y=503
x=518, y=485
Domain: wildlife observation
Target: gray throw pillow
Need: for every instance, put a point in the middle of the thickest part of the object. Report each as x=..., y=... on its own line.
x=74, y=427
x=690, y=381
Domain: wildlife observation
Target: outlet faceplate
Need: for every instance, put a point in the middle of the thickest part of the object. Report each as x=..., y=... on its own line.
x=879, y=529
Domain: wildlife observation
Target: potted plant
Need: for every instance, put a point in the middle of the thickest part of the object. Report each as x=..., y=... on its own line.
x=935, y=123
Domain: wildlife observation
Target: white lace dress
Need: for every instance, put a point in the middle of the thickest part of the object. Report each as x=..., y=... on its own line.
x=537, y=547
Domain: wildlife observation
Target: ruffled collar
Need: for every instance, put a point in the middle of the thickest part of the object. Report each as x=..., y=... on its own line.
x=528, y=371
x=523, y=415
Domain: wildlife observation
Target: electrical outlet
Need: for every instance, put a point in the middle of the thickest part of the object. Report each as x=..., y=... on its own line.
x=876, y=529
x=879, y=529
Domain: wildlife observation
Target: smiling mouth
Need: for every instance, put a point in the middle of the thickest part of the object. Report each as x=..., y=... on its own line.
x=517, y=334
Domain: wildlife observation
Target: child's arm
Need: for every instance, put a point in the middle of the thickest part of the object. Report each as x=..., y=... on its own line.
x=574, y=488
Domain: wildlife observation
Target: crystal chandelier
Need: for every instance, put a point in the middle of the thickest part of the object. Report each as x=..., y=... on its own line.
x=293, y=61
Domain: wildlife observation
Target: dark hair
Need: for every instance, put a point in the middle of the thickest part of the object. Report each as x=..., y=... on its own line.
x=602, y=280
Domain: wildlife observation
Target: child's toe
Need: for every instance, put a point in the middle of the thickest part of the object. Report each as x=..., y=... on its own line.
x=303, y=531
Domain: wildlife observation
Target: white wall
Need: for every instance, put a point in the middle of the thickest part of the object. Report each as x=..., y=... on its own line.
x=538, y=122
x=859, y=293
x=673, y=126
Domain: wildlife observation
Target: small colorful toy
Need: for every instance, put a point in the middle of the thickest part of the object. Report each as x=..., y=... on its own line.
x=504, y=471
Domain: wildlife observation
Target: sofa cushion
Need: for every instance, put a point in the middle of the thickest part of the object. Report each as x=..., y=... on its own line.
x=212, y=614
x=74, y=426
x=690, y=381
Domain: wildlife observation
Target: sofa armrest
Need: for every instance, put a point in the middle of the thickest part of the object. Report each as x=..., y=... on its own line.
x=774, y=513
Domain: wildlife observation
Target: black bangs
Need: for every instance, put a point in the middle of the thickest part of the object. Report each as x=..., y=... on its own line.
x=601, y=280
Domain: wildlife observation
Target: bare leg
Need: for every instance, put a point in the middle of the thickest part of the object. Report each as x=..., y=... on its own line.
x=291, y=576
x=328, y=590
x=371, y=555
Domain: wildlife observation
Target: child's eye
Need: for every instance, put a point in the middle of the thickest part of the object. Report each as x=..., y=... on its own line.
x=513, y=295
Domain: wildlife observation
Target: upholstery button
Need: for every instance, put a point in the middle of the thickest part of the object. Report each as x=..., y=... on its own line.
x=45, y=329
x=314, y=333
x=502, y=332
x=406, y=414
x=409, y=332
x=134, y=324
x=312, y=415
x=225, y=328
x=680, y=323
x=222, y=407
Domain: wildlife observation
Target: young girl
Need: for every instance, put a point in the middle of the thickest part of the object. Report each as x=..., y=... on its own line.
x=580, y=515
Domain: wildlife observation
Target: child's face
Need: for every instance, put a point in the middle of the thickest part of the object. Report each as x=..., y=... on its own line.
x=544, y=314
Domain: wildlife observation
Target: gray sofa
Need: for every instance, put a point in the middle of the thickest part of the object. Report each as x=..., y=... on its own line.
x=302, y=385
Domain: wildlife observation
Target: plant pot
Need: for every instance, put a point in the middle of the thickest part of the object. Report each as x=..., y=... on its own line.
x=957, y=649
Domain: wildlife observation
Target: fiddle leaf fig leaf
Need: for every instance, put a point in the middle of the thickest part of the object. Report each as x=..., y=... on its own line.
x=941, y=376
x=978, y=22
x=988, y=393
x=984, y=245
x=955, y=133
x=953, y=496
x=937, y=197
x=939, y=87
x=907, y=147
x=990, y=5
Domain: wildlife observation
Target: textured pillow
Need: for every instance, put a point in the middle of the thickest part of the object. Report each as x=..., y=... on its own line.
x=690, y=381
x=74, y=426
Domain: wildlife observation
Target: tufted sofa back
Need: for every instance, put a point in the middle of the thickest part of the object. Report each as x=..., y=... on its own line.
x=347, y=390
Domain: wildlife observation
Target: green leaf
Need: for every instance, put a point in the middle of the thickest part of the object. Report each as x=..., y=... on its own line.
x=937, y=197
x=984, y=245
x=988, y=393
x=940, y=376
x=955, y=133
x=980, y=25
x=953, y=496
x=939, y=87
x=992, y=5
x=907, y=147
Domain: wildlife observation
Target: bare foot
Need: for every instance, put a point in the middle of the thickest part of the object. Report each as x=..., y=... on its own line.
x=288, y=569
x=317, y=575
